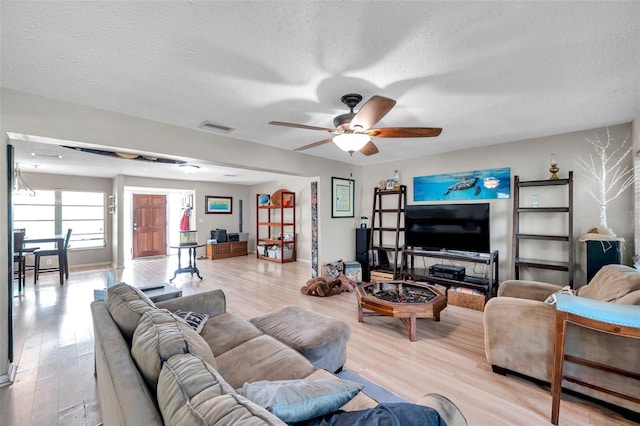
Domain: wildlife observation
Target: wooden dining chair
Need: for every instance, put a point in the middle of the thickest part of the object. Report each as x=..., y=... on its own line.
x=63, y=264
x=606, y=317
x=19, y=257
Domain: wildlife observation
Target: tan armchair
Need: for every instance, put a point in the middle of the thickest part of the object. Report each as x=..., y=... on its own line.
x=519, y=333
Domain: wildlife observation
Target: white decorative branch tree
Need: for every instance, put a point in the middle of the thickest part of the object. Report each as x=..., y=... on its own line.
x=606, y=177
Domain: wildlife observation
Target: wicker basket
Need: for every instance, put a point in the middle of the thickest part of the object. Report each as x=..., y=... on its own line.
x=381, y=276
x=466, y=300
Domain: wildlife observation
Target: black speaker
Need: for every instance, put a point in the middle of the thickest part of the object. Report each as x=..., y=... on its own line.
x=362, y=241
x=362, y=247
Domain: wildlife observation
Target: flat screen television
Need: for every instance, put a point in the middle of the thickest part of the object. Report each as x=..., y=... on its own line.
x=456, y=227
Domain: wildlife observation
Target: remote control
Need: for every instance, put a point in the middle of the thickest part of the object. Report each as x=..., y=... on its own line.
x=151, y=287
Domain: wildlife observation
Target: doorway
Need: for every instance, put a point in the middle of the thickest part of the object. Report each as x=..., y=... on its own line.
x=149, y=225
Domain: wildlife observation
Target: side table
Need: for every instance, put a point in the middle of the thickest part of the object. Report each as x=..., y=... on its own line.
x=192, y=268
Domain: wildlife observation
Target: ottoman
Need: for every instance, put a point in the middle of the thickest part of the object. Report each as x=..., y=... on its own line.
x=320, y=338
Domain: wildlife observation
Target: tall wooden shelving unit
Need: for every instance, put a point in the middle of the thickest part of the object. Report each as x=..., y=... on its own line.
x=566, y=264
x=273, y=223
x=385, y=234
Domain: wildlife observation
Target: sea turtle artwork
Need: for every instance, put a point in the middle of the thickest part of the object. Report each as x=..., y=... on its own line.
x=473, y=185
x=464, y=185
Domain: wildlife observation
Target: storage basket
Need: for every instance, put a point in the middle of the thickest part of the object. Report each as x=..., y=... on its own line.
x=277, y=254
x=381, y=276
x=466, y=300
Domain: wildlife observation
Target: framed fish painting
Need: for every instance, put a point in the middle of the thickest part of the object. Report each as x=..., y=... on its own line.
x=474, y=185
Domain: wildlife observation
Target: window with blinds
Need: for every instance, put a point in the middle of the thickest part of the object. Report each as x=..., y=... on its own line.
x=52, y=212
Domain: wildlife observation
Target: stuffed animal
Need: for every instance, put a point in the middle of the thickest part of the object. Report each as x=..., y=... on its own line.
x=320, y=286
x=328, y=286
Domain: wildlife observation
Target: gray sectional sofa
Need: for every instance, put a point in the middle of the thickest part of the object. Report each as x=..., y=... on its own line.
x=153, y=369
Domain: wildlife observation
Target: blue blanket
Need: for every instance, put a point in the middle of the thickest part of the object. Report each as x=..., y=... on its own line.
x=392, y=414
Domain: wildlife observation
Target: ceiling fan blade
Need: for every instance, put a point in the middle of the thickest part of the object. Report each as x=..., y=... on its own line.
x=369, y=149
x=312, y=145
x=371, y=112
x=404, y=132
x=302, y=126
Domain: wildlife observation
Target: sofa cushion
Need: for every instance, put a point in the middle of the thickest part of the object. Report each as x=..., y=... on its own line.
x=226, y=331
x=126, y=305
x=632, y=298
x=298, y=400
x=192, y=392
x=320, y=338
x=262, y=358
x=611, y=282
x=160, y=335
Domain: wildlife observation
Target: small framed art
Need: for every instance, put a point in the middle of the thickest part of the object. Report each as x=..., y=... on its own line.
x=218, y=205
x=341, y=197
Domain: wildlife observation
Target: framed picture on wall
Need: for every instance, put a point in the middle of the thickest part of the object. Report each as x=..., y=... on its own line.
x=218, y=205
x=341, y=197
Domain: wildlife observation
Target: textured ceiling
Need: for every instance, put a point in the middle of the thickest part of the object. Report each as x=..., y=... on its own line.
x=486, y=72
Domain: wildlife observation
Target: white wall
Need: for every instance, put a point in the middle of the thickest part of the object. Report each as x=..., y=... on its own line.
x=530, y=160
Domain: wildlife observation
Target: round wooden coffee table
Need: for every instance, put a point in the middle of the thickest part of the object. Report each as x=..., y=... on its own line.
x=400, y=299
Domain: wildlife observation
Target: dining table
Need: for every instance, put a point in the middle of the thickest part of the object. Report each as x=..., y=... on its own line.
x=58, y=239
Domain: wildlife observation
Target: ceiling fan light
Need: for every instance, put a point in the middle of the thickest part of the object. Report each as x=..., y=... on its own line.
x=351, y=142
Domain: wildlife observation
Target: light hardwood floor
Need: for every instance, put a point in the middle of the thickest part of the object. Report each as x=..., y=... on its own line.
x=54, y=347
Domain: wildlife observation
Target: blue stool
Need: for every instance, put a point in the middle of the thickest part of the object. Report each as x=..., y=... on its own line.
x=607, y=317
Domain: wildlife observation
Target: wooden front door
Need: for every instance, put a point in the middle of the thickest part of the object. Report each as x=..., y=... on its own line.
x=149, y=225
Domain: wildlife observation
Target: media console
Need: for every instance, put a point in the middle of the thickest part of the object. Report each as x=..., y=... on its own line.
x=447, y=276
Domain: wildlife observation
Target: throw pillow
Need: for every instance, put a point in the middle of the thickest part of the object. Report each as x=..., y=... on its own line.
x=298, y=400
x=194, y=319
x=565, y=290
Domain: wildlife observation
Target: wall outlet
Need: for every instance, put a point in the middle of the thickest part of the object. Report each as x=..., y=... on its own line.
x=48, y=262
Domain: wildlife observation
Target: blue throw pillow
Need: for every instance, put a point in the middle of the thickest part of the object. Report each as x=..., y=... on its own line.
x=298, y=400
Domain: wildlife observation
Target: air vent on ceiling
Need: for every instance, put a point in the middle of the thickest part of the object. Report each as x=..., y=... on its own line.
x=215, y=127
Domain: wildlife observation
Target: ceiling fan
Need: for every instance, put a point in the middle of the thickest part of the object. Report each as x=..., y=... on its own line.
x=353, y=130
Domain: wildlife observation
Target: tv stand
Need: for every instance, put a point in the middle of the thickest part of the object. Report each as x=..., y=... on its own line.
x=487, y=285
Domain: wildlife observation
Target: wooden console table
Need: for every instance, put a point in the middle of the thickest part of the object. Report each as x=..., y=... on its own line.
x=223, y=250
